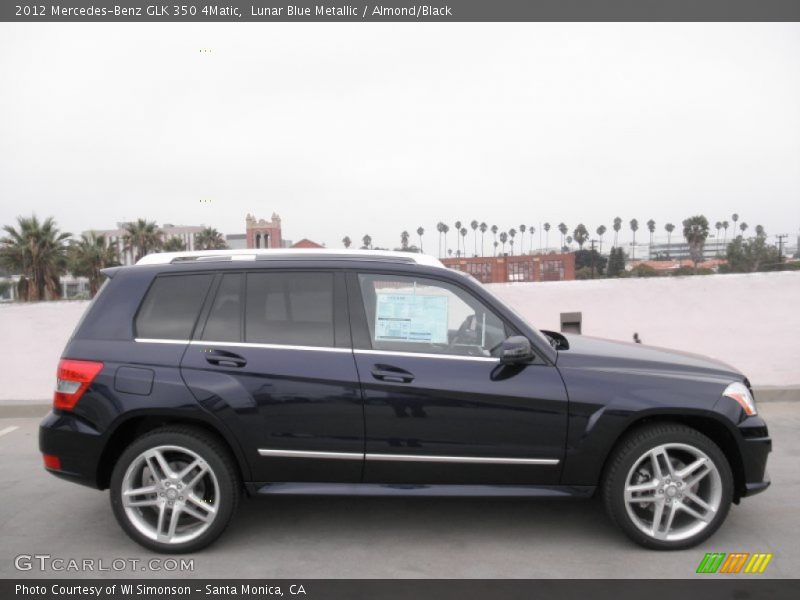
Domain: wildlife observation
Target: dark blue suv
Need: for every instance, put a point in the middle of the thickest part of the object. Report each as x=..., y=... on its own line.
x=195, y=377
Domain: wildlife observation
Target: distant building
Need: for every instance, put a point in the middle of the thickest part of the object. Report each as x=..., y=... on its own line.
x=236, y=241
x=306, y=243
x=116, y=237
x=261, y=233
x=713, y=248
x=503, y=269
x=665, y=266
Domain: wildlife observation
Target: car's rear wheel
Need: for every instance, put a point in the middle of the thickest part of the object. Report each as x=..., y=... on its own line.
x=668, y=486
x=175, y=489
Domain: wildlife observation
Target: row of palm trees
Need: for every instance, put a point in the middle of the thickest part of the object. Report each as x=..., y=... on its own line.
x=580, y=235
x=40, y=253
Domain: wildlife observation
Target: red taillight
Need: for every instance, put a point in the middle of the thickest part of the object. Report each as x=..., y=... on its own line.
x=51, y=461
x=74, y=376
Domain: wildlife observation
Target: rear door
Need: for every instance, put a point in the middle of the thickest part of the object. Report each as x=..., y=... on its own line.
x=272, y=358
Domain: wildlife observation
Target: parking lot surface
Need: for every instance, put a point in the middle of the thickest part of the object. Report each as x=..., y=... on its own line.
x=305, y=537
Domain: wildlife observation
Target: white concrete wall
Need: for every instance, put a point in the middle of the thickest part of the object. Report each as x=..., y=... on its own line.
x=749, y=321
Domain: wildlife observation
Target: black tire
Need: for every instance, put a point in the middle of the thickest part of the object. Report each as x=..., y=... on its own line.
x=217, y=458
x=630, y=450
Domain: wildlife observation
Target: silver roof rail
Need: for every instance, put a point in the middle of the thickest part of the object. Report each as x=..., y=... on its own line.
x=164, y=258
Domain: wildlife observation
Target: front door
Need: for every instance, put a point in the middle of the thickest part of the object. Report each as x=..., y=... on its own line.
x=272, y=359
x=439, y=406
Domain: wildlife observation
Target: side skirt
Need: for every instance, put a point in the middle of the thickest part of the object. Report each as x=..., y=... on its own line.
x=395, y=489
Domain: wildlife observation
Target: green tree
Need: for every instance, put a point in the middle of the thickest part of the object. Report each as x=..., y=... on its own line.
x=346, y=241
x=37, y=251
x=562, y=229
x=404, y=236
x=174, y=244
x=420, y=233
x=743, y=227
x=142, y=237
x=634, y=224
x=616, y=262
x=89, y=255
x=367, y=241
x=209, y=238
x=601, y=231
x=695, y=231
x=754, y=254
x=588, y=258
x=580, y=235
x=617, y=226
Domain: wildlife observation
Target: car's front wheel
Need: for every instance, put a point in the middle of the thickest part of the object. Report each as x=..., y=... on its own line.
x=174, y=489
x=668, y=486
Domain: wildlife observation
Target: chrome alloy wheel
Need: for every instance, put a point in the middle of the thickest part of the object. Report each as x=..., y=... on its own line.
x=673, y=492
x=170, y=494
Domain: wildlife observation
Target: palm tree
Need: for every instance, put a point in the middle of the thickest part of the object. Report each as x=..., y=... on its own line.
x=725, y=226
x=569, y=241
x=581, y=234
x=617, y=226
x=563, y=229
x=440, y=229
x=367, y=241
x=420, y=233
x=600, y=232
x=445, y=229
x=209, y=238
x=483, y=228
x=695, y=230
x=718, y=227
x=522, y=229
x=142, y=238
x=37, y=251
x=494, y=233
x=531, y=230
x=511, y=233
x=458, y=229
x=651, y=227
x=89, y=255
x=734, y=218
x=634, y=228
x=474, y=225
x=174, y=244
x=670, y=228
x=742, y=227
x=760, y=232
x=496, y=244
x=464, y=231
x=404, y=239
x=347, y=241
x=546, y=228
x=504, y=239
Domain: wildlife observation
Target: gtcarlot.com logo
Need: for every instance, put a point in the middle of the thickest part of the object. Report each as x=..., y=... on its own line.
x=735, y=562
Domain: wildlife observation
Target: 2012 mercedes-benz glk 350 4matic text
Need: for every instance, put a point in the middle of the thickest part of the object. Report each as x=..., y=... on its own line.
x=196, y=377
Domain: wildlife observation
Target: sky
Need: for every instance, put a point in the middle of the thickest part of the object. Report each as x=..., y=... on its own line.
x=356, y=128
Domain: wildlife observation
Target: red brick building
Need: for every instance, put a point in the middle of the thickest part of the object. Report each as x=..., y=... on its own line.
x=307, y=243
x=502, y=269
x=262, y=233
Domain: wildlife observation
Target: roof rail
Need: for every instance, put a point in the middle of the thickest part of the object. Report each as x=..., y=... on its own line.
x=164, y=258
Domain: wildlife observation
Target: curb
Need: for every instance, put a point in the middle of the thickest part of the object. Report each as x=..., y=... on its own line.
x=22, y=409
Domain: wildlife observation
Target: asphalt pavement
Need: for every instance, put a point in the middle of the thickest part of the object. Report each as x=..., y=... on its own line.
x=316, y=537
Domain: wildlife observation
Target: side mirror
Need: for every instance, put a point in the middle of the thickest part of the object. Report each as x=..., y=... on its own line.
x=516, y=350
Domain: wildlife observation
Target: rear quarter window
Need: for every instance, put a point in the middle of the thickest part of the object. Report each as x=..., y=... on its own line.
x=171, y=306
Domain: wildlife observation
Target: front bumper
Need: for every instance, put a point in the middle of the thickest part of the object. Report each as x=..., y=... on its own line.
x=755, y=448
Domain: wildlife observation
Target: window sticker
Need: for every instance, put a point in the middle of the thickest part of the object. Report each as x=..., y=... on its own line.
x=411, y=318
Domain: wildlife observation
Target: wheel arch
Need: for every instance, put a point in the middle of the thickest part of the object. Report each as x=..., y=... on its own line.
x=125, y=432
x=713, y=428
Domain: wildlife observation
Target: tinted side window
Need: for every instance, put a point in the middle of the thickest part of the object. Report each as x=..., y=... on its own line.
x=290, y=308
x=171, y=306
x=225, y=319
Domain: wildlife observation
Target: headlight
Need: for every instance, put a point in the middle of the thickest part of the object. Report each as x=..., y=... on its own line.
x=739, y=392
